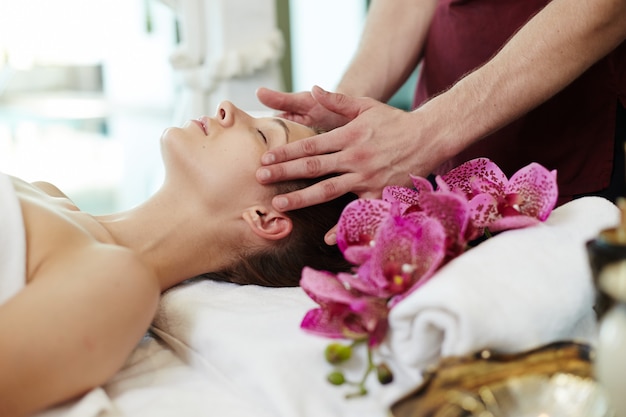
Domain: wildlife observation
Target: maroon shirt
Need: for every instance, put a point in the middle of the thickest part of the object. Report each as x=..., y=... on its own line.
x=573, y=132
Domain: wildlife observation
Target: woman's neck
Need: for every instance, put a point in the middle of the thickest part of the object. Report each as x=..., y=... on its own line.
x=179, y=241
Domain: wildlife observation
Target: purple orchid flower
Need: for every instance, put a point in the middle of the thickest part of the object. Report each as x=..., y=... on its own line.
x=497, y=203
x=393, y=250
x=450, y=208
x=344, y=313
x=407, y=252
x=397, y=243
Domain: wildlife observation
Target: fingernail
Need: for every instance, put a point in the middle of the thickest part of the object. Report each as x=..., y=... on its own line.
x=263, y=174
x=268, y=158
x=280, y=203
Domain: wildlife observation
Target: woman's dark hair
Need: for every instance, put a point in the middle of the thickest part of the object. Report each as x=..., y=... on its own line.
x=280, y=265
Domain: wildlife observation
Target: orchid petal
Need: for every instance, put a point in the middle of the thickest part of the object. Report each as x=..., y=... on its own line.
x=322, y=323
x=442, y=186
x=357, y=282
x=483, y=210
x=474, y=177
x=323, y=287
x=358, y=226
x=512, y=222
x=535, y=189
x=453, y=213
x=378, y=333
x=436, y=262
x=404, y=197
x=405, y=252
x=421, y=184
x=357, y=254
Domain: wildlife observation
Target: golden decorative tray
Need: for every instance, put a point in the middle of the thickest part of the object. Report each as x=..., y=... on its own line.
x=553, y=380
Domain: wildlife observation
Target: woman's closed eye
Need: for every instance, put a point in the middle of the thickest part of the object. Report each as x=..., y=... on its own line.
x=262, y=136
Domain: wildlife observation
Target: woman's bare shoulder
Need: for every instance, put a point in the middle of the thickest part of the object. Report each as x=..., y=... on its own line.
x=101, y=276
x=50, y=189
x=87, y=307
x=24, y=187
x=64, y=243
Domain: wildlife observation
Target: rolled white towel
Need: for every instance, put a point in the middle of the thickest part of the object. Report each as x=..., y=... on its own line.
x=518, y=290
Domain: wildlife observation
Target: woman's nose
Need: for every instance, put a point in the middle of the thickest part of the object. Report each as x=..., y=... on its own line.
x=226, y=113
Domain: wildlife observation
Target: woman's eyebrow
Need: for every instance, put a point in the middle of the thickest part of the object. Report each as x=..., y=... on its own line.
x=282, y=124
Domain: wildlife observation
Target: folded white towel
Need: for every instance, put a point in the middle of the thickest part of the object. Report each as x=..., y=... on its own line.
x=517, y=290
x=12, y=242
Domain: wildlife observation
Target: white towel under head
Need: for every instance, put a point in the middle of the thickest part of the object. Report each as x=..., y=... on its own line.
x=12, y=242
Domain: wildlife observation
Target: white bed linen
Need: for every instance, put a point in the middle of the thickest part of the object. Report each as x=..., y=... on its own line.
x=248, y=338
x=233, y=351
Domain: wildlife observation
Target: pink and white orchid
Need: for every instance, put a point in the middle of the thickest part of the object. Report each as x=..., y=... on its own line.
x=450, y=208
x=344, y=313
x=407, y=252
x=398, y=242
x=500, y=204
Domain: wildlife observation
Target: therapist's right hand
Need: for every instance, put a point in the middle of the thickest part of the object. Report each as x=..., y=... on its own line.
x=301, y=108
x=379, y=146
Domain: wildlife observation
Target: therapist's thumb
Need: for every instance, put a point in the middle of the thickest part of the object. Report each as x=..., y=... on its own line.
x=347, y=106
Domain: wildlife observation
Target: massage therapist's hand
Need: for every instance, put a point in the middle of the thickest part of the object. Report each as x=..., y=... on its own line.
x=301, y=108
x=378, y=147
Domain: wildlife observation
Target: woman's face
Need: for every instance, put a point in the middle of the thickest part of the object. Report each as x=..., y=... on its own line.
x=218, y=156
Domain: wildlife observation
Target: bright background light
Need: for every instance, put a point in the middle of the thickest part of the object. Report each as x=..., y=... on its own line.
x=86, y=88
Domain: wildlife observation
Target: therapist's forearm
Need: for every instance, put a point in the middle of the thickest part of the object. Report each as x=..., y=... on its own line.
x=389, y=49
x=548, y=53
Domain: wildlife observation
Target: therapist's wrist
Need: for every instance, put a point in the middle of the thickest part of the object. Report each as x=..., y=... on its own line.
x=438, y=137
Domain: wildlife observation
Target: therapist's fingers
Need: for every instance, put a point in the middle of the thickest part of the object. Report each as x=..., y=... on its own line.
x=324, y=191
x=331, y=236
x=344, y=105
x=348, y=108
x=296, y=107
x=311, y=147
x=276, y=100
x=305, y=167
x=317, y=193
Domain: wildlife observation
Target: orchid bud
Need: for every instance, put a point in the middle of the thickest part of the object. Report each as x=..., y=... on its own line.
x=384, y=374
x=337, y=353
x=336, y=378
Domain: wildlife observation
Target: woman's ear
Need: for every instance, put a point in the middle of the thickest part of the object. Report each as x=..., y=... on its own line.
x=267, y=222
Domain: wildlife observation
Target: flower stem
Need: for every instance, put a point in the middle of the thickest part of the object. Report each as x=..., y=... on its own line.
x=361, y=384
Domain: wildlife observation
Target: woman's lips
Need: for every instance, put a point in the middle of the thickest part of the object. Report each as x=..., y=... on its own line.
x=201, y=125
